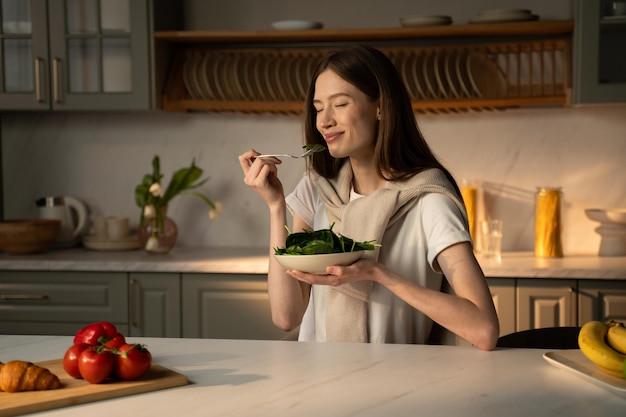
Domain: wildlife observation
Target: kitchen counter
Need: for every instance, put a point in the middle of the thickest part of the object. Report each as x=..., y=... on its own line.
x=254, y=261
x=279, y=378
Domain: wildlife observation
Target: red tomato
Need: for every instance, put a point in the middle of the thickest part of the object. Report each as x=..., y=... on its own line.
x=96, y=364
x=96, y=333
x=132, y=361
x=116, y=342
x=70, y=360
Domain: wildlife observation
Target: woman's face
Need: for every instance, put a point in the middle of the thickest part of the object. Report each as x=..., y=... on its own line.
x=345, y=116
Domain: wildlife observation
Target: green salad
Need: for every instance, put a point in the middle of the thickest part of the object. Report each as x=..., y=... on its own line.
x=323, y=241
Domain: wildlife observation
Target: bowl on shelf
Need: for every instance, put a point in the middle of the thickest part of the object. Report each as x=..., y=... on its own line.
x=316, y=264
x=425, y=20
x=612, y=230
x=25, y=236
x=296, y=25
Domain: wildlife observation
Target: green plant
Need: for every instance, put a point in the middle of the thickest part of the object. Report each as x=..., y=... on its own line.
x=149, y=194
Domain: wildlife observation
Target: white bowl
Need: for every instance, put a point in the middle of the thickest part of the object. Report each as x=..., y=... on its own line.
x=316, y=264
x=615, y=215
x=296, y=25
x=425, y=20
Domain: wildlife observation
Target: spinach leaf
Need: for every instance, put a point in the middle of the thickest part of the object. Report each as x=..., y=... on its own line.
x=323, y=241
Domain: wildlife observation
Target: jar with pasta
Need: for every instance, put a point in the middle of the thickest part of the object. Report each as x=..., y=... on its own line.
x=548, y=222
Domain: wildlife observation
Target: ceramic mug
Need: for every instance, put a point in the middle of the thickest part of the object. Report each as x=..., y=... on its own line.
x=117, y=228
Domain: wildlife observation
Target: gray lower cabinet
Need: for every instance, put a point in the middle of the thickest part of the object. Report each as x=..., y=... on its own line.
x=602, y=300
x=154, y=304
x=227, y=306
x=503, y=295
x=61, y=302
x=546, y=303
x=531, y=303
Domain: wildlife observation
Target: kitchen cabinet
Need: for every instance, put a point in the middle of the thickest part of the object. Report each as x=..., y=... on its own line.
x=545, y=303
x=154, y=308
x=61, y=302
x=532, y=303
x=140, y=304
x=601, y=300
x=599, y=71
x=79, y=55
x=503, y=295
x=227, y=306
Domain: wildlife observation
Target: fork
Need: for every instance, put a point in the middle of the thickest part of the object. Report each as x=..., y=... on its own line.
x=286, y=155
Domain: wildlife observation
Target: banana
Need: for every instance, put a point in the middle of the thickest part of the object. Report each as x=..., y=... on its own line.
x=616, y=337
x=591, y=341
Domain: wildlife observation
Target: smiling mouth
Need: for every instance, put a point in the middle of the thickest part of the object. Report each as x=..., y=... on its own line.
x=332, y=136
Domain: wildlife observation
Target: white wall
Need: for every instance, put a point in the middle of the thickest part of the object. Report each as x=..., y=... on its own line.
x=346, y=14
x=99, y=158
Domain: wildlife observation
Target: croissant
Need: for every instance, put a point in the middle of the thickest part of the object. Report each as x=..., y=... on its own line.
x=25, y=376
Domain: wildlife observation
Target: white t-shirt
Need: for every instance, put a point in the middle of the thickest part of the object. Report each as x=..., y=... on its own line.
x=409, y=247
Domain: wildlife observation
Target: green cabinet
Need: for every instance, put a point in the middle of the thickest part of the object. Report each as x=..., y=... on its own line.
x=602, y=300
x=227, y=306
x=545, y=303
x=141, y=304
x=61, y=302
x=503, y=295
x=531, y=303
x=154, y=308
x=599, y=70
x=80, y=54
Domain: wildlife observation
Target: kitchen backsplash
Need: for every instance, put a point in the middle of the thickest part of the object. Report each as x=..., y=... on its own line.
x=100, y=158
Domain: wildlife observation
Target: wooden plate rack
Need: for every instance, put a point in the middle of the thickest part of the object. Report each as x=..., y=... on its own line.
x=442, y=76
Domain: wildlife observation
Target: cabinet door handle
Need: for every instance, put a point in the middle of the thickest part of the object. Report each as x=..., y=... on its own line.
x=38, y=80
x=135, y=300
x=23, y=297
x=56, y=91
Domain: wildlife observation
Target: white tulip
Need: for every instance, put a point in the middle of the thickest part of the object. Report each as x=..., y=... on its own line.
x=149, y=211
x=155, y=189
x=152, y=243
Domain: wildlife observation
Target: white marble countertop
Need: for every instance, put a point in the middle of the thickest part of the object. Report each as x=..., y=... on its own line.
x=280, y=378
x=254, y=261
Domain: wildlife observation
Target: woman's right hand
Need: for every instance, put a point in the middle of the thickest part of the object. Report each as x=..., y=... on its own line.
x=261, y=174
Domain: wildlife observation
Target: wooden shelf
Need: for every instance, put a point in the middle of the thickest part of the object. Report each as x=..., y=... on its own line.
x=446, y=68
x=484, y=30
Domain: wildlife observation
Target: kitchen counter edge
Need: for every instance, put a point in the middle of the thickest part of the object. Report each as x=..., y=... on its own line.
x=255, y=261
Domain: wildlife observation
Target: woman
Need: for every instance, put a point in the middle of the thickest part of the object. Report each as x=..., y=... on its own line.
x=378, y=181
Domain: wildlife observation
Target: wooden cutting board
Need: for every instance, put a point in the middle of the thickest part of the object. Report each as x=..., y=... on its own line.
x=78, y=391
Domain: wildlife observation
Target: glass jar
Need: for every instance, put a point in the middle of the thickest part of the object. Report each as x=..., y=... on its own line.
x=548, y=222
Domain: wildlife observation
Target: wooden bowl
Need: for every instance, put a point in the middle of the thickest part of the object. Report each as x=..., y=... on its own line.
x=18, y=237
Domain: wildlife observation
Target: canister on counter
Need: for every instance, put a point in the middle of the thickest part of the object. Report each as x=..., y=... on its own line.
x=548, y=222
x=469, y=193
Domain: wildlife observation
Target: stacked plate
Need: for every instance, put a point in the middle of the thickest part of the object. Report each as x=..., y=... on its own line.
x=425, y=20
x=504, y=15
x=128, y=243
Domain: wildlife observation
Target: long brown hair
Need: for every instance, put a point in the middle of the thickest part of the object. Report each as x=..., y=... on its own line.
x=400, y=149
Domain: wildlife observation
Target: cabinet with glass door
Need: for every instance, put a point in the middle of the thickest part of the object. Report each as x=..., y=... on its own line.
x=78, y=54
x=599, y=52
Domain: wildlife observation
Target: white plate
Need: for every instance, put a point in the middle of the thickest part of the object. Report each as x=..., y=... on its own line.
x=617, y=215
x=296, y=25
x=316, y=264
x=576, y=362
x=425, y=20
x=129, y=243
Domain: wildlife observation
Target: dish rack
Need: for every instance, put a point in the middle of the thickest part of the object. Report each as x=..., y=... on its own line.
x=450, y=77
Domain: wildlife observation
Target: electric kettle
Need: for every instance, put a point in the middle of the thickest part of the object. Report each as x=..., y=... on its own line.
x=71, y=212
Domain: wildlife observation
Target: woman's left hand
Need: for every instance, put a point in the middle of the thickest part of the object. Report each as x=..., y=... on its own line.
x=363, y=269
